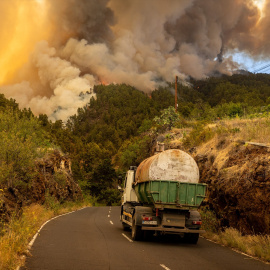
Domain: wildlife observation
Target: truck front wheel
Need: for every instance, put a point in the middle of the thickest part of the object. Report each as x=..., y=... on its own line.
x=136, y=231
x=191, y=238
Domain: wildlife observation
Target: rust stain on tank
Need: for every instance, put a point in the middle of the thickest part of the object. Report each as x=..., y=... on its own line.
x=171, y=165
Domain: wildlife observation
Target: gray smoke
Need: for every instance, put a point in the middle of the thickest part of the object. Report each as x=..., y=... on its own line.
x=141, y=43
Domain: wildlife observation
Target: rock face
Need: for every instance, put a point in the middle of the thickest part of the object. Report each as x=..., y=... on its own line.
x=54, y=178
x=238, y=178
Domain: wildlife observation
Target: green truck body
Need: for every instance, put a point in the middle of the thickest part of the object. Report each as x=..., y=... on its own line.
x=171, y=194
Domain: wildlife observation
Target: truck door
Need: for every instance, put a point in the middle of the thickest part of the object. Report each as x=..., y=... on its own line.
x=129, y=194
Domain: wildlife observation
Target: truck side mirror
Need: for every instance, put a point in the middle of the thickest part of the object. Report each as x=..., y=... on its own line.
x=120, y=188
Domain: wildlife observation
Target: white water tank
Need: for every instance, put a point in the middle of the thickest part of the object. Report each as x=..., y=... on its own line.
x=170, y=165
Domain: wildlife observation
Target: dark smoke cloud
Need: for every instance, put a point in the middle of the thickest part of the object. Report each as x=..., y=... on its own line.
x=81, y=19
x=141, y=43
x=211, y=27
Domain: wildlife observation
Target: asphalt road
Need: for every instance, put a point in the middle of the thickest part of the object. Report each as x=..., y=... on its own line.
x=92, y=238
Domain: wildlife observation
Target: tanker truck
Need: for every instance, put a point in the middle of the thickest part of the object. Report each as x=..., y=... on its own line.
x=162, y=195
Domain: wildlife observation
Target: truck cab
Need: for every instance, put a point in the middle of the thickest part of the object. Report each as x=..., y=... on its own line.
x=129, y=194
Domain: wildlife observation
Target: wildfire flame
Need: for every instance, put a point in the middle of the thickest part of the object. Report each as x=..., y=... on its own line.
x=25, y=25
x=259, y=4
x=104, y=82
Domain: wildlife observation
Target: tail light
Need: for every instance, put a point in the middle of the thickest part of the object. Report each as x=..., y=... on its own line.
x=147, y=218
x=196, y=222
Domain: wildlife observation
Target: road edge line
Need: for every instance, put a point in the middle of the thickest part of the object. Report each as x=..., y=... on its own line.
x=131, y=241
x=165, y=267
x=236, y=250
x=31, y=243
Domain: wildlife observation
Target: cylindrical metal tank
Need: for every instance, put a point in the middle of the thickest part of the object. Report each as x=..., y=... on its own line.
x=170, y=165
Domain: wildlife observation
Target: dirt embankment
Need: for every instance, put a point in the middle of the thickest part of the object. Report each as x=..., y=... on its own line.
x=238, y=178
x=53, y=180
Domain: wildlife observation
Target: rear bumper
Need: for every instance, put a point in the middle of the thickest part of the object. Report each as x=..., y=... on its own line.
x=171, y=230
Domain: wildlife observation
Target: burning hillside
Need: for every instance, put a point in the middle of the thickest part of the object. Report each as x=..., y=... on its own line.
x=54, y=52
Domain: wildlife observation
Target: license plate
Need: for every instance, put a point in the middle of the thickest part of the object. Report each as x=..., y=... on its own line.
x=150, y=222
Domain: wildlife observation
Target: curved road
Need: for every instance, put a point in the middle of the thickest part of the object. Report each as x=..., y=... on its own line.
x=92, y=238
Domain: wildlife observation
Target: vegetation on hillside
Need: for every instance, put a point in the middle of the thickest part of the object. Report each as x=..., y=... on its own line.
x=22, y=141
x=120, y=127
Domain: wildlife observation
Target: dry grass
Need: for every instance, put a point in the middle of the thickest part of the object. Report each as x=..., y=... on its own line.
x=256, y=130
x=252, y=130
x=227, y=135
x=257, y=246
x=17, y=234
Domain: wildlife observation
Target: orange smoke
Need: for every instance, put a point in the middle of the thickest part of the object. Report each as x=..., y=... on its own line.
x=25, y=25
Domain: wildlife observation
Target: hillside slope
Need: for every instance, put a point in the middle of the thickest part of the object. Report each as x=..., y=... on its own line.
x=238, y=178
x=233, y=159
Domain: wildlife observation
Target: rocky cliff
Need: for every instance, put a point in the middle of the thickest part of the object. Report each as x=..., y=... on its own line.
x=238, y=178
x=53, y=179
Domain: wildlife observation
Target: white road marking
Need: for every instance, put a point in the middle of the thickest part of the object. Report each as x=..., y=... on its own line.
x=127, y=238
x=111, y=222
x=36, y=235
x=165, y=267
x=38, y=232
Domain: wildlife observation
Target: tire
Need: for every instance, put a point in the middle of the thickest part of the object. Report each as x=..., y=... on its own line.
x=136, y=231
x=125, y=226
x=147, y=235
x=191, y=238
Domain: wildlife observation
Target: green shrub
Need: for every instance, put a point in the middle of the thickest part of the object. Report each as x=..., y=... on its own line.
x=200, y=134
x=60, y=178
x=167, y=119
x=209, y=220
x=51, y=202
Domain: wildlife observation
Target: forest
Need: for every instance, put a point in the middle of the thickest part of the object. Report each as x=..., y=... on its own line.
x=119, y=127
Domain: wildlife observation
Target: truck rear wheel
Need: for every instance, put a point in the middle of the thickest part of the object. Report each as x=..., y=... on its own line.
x=125, y=226
x=136, y=231
x=191, y=238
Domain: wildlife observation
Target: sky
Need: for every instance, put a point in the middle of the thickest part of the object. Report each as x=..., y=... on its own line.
x=248, y=63
x=252, y=65
x=52, y=53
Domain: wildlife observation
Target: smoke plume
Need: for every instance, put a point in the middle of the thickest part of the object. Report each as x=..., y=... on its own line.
x=51, y=64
